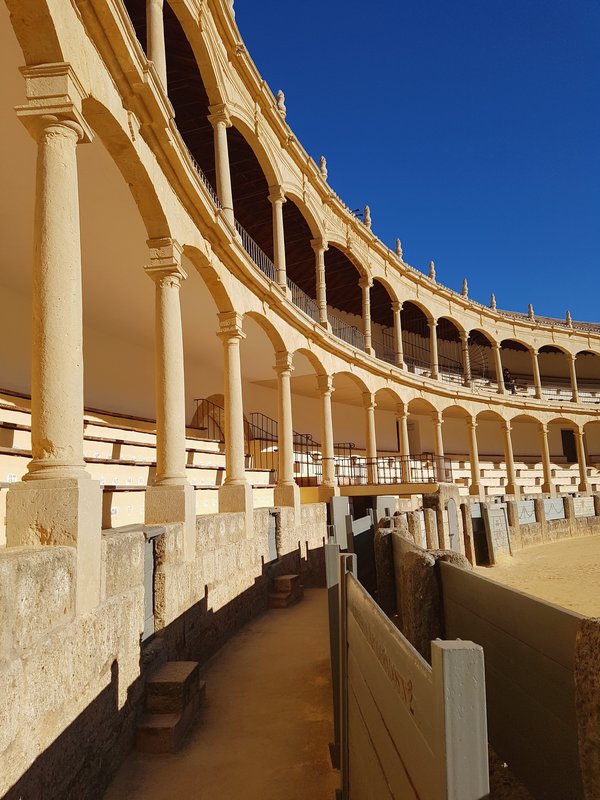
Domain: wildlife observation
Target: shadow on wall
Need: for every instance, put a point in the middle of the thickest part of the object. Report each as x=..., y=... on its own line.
x=82, y=761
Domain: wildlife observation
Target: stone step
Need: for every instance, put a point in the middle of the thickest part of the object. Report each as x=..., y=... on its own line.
x=287, y=590
x=164, y=733
x=172, y=686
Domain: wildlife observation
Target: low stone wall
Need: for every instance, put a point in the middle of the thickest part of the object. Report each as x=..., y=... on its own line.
x=70, y=685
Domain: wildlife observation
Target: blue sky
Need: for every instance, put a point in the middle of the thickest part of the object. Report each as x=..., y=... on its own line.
x=471, y=128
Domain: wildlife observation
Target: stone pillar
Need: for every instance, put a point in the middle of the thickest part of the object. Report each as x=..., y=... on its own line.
x=365, y=284
x=398, y=348
x=236, y=492
x=370, y=405
x=584, y=485
x=320, y=246
x=511, y=486
x=464, y=340
x=475, y=487
x=498, y=365
x=57, y=503
x=277, y=199
x=537, y=381
x=329, y=480
x=171, y=498
x=402, y=417
x=438, y=421
x=287, y=491
x=220, y=120
x=155, y=35
x=433, y=345
x=548, y=485
x=573, y=374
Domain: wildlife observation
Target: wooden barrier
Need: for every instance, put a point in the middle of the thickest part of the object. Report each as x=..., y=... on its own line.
x=407, y=730
x=530, y=662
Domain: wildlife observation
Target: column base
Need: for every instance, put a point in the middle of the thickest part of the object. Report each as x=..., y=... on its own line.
x=326, y=492
x=288, y=495
x=584, y=488
x=549, y=488
x=237, y=498
x=475, y=490
x=61, y=513
x=170, y=503
x=513, y=489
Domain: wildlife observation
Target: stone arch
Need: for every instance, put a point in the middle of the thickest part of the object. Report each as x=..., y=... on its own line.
x=246, y=129
x=313, y=222
x=271, y=331
x=36, y=32
x=210, y=277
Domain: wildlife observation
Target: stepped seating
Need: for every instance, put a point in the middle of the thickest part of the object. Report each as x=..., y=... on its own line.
x=173, y=696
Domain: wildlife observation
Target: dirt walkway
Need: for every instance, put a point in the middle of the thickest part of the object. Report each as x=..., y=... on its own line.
x=265, y=730
x=566, y=572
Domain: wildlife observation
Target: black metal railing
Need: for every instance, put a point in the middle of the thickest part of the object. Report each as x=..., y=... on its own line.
x=210, y=417
x=302, y=301
x=386, y=470
x=260, y=258
x=349, y=333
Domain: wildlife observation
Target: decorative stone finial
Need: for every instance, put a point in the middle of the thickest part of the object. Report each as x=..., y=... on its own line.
x=280, y=100
x=568, y=319
x=465, y=288
x=432, y=270
x=367, y=217
x=323, y=166
x=493, y=302
x=530, y=313
x=399, y=252
x=231, y=7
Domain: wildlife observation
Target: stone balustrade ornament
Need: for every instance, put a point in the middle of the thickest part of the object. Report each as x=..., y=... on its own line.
x=530, y=313
x=399, y=248
x=465, y=288
x=367, y=217
x=569, y=320
x=323, y=167
x=432, y=270
x=280, y=100
x=493, y=302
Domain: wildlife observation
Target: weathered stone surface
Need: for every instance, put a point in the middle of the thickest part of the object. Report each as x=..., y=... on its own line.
x=123, y=558
x=587, y=701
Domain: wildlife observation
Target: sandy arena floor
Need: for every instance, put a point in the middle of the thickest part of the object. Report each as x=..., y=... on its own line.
x=566, y=572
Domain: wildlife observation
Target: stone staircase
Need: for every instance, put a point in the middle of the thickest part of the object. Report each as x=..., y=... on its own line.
x=173, y=696
x=287, y=590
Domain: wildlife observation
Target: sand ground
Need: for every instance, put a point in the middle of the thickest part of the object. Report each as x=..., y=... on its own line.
x=264, y=732
x=566, y=572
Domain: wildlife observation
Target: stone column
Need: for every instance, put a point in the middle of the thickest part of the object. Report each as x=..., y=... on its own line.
x=236, y=492
x=584, y=485
x=511, y=486
x=402, y=417
x=438, y=421
x=277, y=199
x=548, y=486
x=155, y=34
x=320, y=246
x=398, y=347
x=537, y=381
x=498, y=365
x=220, y=120
x=433, y=345
x=464, y=340
x=329, y=480
x=365, y=284
x=573, y=374
x=171, y=498
x=475, y=487
x=57, y=503
x=370, y=405
x=287, y=491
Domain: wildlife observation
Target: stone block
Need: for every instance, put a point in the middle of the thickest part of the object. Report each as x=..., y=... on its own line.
x=123, y=561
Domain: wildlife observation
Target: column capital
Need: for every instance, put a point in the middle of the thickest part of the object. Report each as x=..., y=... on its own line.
x=365, y=282
x=402, y=412
x=532, y=349
x=572, y=356
x=495, y=344
x=369, y=400
x=325, y=384
x=277, y=194
x=438, y=418
x=432, y=322
x=506, y=426
x=165, y=260
x=283, y=363
x=54, y=97
x=544, y=428
x=397, y=306
x=219, y=114
x=464, y=336
x=230, y=326
x=319, y=245
x=472, y=423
